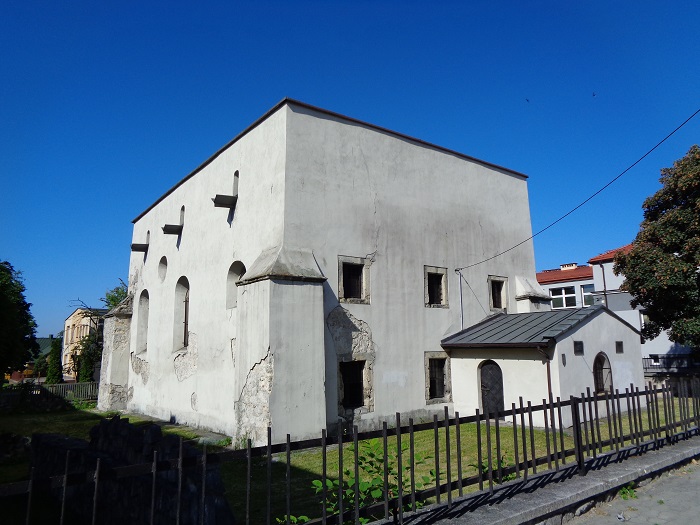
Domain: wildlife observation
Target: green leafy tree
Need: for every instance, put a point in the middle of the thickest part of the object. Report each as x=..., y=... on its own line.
x=18, y=343
x=54, y=373
x=89, y=352
x=116, y=295
x=662, y=270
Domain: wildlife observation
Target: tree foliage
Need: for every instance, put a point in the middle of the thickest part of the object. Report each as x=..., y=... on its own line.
x=89, y=352
x=116, y=295
x=18, y=343
x=54, y=374
x=662, y=270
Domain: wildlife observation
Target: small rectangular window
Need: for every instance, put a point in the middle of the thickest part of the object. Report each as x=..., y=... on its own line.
x=578, y=347
x=498, y=293
x=353, y=279
x=351, y=374
x=437, y=378
x=587, y=294
x=619, y=349
x=435, y=284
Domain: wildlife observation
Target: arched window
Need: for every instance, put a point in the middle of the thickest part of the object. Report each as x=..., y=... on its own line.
x=491, y=383
x=142, y=326
x=181, y=318
x=235, y=272
x=602, y=373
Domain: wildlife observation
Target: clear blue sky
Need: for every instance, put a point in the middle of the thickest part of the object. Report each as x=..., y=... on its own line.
x=105, y=105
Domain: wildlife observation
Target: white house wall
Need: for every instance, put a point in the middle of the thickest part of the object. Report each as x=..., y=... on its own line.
x=598, y=334
x=355, y=191
x=199, y=388
x=524, y=375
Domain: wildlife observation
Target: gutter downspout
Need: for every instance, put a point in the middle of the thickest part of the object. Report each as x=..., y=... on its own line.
x=545, y=353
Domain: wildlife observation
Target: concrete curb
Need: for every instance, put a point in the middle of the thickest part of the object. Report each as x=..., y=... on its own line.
x=554, y=498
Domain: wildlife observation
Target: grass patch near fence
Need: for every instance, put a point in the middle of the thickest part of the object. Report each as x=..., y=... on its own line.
x=306, y=466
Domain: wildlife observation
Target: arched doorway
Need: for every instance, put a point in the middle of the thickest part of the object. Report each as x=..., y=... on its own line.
x=491, y=383
x=602, y=373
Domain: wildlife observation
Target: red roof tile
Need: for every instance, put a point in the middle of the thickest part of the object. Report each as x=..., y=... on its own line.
x=610, y=254
x=561, y=276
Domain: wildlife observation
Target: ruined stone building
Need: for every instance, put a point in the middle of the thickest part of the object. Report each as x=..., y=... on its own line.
x=304, y=275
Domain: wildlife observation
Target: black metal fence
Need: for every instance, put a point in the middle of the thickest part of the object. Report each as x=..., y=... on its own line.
x=672, y=364
x=387, y=473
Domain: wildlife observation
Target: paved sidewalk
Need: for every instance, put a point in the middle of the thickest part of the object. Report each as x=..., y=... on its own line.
x=554, y=498
x=671, y=498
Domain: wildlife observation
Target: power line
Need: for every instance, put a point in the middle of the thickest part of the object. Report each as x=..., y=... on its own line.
x=640, y=159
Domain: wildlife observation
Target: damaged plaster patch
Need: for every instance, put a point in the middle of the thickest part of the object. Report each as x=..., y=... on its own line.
x=130, y=394
x=352, y=338
x=253, y=405
x=185, y=362
x=193, y=401
x=117, y=396
x=140, y=367
x=233, y=351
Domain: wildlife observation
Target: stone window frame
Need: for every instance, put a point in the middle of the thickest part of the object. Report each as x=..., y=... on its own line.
x=435, y=270
x=504, y=293
x=367, y=384
x=365, y=284
x=447, y=398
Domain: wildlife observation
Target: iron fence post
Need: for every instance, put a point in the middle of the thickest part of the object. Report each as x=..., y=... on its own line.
x=578, y=449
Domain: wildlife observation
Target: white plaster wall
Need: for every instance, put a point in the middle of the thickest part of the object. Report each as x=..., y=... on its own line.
x=358, y=192
x=297, y=400
x=612, y=281
x=524, y=375
x=207, y=248
x=598, y=335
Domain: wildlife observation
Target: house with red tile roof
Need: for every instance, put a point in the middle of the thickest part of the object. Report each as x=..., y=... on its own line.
x=570, y=286
x=579, y=286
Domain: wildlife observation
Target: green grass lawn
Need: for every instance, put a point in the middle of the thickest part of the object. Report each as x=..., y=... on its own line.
x=306, y=466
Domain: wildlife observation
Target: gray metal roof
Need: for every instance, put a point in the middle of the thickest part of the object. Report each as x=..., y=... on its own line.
x=518, y=330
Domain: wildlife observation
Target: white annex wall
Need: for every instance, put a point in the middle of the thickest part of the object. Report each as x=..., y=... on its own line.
x=598, y=334
x=524, y=375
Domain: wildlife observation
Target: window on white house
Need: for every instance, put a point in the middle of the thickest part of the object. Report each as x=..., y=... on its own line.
x=353, y=279
x=619, y=348
x=142, y=327
x=352, y=377
x=436, y=371
x=181, y=317
x=602, y=373
x=498, y=293
x=563, y=297
x=235, y=272
x=435, y=286
x=578, y=347
x=587, y=298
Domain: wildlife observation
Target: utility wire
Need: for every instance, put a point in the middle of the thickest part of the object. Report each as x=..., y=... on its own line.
x=640, y=159
x=475, y=296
